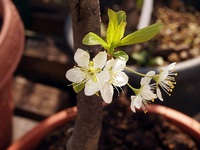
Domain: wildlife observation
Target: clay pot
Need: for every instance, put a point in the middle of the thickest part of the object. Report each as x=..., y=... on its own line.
x=6, y=107
x=11, y=49
x=32, y=138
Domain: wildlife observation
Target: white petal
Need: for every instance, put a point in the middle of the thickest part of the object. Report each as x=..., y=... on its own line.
x=91, y=87
x=171, y=66
x=146, y=80
x=107, y=92
x=148, y=95
x=118, y=65
x=121, y=79
x=132, y=106
x=82, y=58
x=75, y=75
x=136, y=101
x=100, y=60
x=103, y=76
x=159, y=94
x=109, y=64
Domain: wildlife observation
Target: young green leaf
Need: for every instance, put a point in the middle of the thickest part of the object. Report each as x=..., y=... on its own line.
x=93, y=39
x=112, y=24
x=121, y=55
x=78, y=87
x=141, y=35
x=121, y=17
x=116, y=27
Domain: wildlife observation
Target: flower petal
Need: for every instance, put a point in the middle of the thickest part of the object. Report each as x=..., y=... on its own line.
x=91, y=87
x=121, y=79
x=103, y=76
x=82, y=58
x=136, y=101
x=171, y=66
x=159, y=94
x=146, y=80
x=75, y=75
x=100, y=60
x=118, y=65
x=107, y=92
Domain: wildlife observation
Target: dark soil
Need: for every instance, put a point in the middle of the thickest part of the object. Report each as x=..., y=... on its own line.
x=124, y=130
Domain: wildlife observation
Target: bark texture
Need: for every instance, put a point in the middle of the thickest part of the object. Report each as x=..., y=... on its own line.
x=86, y=18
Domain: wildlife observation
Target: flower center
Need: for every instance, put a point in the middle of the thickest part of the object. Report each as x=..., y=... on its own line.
x=91, y=71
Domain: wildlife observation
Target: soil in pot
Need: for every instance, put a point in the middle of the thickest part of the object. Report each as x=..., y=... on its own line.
x=124, y=130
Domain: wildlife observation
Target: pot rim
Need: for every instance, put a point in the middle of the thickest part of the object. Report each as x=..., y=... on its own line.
x=11, y=22
x=186, y=123
x=6, y=16
x=40, y=130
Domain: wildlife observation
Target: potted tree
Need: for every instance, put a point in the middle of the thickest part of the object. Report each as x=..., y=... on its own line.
x=98, y=72
x=11, y=49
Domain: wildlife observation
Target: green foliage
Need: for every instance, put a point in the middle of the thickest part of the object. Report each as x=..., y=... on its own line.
x=141, y=35
x=121, y=55
x=93, y=39
x=115, y=35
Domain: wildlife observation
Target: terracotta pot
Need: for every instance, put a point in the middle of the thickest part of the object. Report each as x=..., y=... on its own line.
x=32, y=138
x=11, y=49
x=6, y=107
x=11, y=40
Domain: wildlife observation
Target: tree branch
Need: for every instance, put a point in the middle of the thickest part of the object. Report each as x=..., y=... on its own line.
x=86, y=18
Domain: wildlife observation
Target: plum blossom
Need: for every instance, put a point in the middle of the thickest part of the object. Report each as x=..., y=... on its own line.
x=87, y=71
x=164, y=79
x=143, y=95
x=117, y=78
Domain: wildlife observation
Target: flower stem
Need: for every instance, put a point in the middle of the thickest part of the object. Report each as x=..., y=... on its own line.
x=135, y=72
x=132, y=88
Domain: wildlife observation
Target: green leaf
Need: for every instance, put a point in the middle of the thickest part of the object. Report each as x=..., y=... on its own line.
x=119, y=34
x=116, y=27
x=121, y=55
x=121, y=17
x=141, y=35
x=112, y=24
x=78, y=87
x=93, y=39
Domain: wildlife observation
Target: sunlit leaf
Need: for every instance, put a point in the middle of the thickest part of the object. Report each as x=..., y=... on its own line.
x=141, y=35
x=112, y=16
x=121, y=55
x=93, y=39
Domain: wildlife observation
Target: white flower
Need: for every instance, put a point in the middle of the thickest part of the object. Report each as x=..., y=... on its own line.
x=165, y=79
x=117, y=78
x=87, y=71
x=143, y=95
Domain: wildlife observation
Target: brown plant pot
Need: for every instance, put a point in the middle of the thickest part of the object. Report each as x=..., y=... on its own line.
x=11, y=49
x=32, y=138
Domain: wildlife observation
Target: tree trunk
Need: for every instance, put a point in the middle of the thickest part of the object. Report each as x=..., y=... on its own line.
x=86, y=18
